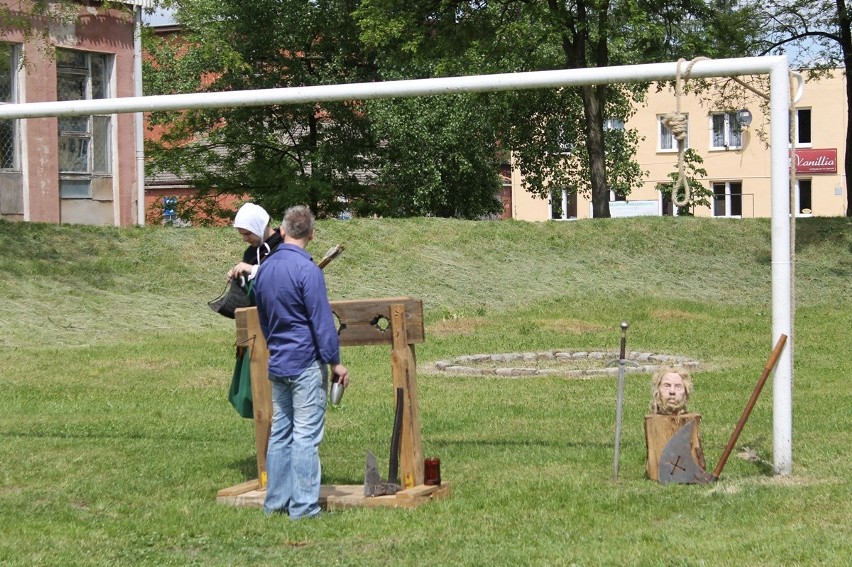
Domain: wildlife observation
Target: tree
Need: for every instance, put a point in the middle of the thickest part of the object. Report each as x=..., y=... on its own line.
x=279, y=155
x=441, y=152
x=820, y=33
x=410, y=157
x=558, y=135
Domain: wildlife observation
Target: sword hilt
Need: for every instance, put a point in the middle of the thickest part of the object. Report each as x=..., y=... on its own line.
x=624, y=326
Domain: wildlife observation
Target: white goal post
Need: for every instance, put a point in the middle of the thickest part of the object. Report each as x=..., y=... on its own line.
x=777, y=67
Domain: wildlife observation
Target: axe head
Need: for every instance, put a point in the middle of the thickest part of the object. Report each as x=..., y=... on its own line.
x=676, y=462
x=373, y=483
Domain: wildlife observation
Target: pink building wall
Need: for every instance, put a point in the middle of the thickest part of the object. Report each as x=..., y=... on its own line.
x=113, y=199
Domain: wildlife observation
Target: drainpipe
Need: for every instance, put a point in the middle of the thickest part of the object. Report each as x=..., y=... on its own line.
x=140, y=133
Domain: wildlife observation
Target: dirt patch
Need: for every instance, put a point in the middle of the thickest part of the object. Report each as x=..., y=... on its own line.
x=460, y=326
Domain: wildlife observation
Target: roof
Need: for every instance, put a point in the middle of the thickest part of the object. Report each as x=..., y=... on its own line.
x=143, y=3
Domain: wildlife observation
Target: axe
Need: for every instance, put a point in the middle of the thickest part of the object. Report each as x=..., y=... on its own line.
x=373, y=483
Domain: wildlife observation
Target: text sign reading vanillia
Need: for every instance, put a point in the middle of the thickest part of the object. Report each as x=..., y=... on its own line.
x=816, y=160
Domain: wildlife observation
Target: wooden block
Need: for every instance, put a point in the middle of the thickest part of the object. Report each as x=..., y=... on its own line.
x=659, y=429
x=418, y=491
x=341, y=496
x=368, y=321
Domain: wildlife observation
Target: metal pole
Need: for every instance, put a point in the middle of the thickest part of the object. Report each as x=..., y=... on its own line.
x=417, y=87
x=782, y=310
x=619, y=399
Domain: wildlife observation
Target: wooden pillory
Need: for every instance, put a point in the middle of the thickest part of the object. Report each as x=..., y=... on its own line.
x=397, y=321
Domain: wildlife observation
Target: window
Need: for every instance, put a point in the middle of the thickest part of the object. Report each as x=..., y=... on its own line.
x=803, y=197
x=726, y=132
x=667, y=140
x=728, y=199
x=803, y=130
x=563, y=204
x=84, y=141
x=614, y=124
x=9, y=56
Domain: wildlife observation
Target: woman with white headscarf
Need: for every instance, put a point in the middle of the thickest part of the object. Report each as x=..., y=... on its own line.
x=252, y=222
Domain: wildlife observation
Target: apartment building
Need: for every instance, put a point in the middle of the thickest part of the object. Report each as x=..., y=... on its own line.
x=736, y=158
x=79, y=169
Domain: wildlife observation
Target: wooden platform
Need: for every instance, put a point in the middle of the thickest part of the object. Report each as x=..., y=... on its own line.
x=339, y=496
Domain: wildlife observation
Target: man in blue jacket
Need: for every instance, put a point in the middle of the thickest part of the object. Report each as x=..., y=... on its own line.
x=296, y=319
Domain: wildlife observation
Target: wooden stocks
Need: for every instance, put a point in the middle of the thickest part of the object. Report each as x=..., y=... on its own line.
x=770, y=364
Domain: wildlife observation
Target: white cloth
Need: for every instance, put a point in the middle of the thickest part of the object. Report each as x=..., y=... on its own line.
x=252, y=218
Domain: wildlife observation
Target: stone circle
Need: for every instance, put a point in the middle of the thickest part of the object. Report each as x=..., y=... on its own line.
x=576, y=364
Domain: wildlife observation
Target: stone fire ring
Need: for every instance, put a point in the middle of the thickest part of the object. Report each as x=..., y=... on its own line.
x=559, y=363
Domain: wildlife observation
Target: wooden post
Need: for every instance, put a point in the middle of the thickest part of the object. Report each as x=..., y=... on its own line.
x=404, y=369
x=249, y=334
x=659, y=429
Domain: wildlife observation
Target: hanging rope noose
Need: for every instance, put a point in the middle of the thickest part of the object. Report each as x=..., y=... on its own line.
x=676, y=123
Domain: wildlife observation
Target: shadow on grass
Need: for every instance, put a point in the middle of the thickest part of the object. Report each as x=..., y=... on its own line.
x=246, y=467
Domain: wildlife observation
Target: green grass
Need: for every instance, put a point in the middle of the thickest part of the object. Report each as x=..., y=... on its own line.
x=116, y=433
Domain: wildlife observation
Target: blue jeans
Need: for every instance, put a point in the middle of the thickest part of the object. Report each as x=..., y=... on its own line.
x=292, y=459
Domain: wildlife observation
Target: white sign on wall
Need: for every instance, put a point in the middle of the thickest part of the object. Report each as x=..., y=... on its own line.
x=638, y=208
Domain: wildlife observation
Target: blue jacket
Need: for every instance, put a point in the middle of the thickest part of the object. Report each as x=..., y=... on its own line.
x=294, y=312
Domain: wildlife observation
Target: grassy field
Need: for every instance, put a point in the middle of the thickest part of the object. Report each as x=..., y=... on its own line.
x=116, y=432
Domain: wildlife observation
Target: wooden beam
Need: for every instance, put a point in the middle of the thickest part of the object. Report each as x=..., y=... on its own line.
x=250, y=335
x=368, y=321
x=397, y=321
x=404, y=368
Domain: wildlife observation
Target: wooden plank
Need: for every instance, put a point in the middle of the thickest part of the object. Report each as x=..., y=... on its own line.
x=404, y=370
x=241, y=488
x=659, y=429
x=368, y=321
x=342, y=496
x=417, y=491
x=249, y=334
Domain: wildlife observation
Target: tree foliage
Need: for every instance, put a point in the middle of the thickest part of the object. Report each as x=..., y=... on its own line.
x=465, y=37
x=441, y=151
x=817, y=34
x=412, y=157
x=279, y=155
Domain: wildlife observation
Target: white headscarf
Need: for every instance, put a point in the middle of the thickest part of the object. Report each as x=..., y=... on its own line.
x=252, y=218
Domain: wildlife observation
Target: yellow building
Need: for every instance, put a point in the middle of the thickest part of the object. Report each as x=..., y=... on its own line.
x=736, y=158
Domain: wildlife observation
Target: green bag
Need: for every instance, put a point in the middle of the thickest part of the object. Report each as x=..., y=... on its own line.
x=240, y=393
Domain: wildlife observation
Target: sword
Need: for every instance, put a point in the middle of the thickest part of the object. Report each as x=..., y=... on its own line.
x=620, y=399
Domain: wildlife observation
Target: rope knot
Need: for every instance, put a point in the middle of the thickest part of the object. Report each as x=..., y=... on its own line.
x=677, y=123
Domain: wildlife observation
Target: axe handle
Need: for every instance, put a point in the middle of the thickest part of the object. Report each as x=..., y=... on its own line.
x=393, y=464
x=770, y=364
x=330, y=255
